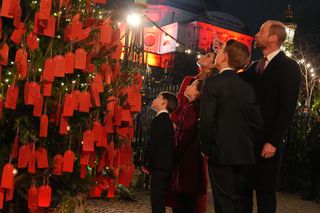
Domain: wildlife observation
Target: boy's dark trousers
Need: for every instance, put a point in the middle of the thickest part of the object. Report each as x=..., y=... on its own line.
x=159, y=184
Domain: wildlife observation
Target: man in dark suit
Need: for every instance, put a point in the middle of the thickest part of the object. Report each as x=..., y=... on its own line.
x=229, y=118
x=158, y=157
x=276, y=79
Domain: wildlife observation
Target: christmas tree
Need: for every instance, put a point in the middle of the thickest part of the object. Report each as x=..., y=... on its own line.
x=67, y=101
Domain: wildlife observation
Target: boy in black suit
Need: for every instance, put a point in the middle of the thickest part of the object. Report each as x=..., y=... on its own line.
x=158, y=157
x=229, y=118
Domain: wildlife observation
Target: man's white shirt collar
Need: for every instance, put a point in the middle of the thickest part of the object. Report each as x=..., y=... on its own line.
x=272, y=55
x=162, y=111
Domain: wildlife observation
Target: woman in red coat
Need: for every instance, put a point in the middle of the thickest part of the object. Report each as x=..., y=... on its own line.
x=189, y=179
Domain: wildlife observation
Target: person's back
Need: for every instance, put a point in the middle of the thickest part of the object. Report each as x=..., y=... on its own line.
x=234, y=127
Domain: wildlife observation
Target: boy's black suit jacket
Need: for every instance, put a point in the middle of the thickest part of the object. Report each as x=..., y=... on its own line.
x=160, y=146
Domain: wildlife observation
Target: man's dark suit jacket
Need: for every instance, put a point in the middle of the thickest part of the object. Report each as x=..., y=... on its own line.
x=160, y=147
x=229, y=118
x=277, y=92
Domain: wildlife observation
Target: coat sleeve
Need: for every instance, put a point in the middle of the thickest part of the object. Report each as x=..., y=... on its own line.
x=187, y=128
x=208, y=110
x=289, y=91
x=155, y=136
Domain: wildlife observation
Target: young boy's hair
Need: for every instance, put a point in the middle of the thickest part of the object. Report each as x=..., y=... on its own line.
x=238, y=54
x=172, y=101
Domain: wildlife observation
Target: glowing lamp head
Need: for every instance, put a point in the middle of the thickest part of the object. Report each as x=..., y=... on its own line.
x=134, y=19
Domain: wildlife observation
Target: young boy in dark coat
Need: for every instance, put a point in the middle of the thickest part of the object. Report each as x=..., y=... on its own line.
x=158, y=157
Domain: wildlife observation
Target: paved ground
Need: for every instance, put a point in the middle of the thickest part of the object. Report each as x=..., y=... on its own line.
x=287, y=203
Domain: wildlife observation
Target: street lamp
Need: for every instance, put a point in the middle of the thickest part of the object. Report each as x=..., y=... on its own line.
x=290, y=29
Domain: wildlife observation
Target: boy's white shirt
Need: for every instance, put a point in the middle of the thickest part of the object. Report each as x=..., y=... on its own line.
x=162, y=111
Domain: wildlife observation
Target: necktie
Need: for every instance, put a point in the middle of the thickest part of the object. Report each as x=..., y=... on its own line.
x=262, y=64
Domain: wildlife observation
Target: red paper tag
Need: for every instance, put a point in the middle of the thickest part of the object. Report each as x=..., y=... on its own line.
x=84, y=102
x=0, y=28
x=32, y=41
x=80, y=59
x=109, y=124
x=76, y=30
x=15, y=147
x=69, y=105
x=116, y=36
x=63, y=130
x=42, y=158
x=43, y=126
x=6, y=6
x=1, y=198
x=106, y=33
x=17, y=34
x=69, y=59
x=4, y=53
x=85, y=157
x=38, y=105
x=46, y=89
x=1, y=107
x=32, y=92
x=23, y=157
x=88, y=141
x=7, y=180
x=100, y=1
x=97, y=83
x=9, y=193
x=96, y=97
x=110, y=154
x=101, y=163
x=45, y=9
x=22, y=63
x=33, y=198
x=32, y=159
x=111, y=189
x=76, y=96
x=60, y=66
x=97, y=131
x=83, y=171
x=116, y=55
x=57, y=165
x=49, y=70
x=68, y=161
x=17, y=17
x=12, y=97
x=44, y=196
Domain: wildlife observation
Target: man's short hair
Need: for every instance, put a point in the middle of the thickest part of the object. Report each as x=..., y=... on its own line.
x=172, y=101
x=279, y=29
x=238, y=54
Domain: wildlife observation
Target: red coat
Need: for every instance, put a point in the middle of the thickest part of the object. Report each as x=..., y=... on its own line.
x=190, y=173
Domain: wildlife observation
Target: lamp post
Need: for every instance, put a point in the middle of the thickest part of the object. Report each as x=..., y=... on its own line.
x=291, y=27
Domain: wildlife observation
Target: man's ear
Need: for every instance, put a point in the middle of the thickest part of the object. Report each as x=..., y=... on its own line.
x=273, y=38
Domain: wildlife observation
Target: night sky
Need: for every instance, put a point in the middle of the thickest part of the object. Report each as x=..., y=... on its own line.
x=255, y=12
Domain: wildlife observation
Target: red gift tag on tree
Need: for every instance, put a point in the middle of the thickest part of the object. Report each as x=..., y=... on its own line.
x=7, y=180
x=109, y=128
x=76, y=96
x=118, y=115
x=97, y=131
x=22, y=63
x=97, y=83
x=80, y=59
x=1, y=198
x=116, y=55
x=57, y=165
x=111, y=189
x=85, y=157
x=96, y=98
x=32, y=159
x=60, y=66
x=0, y=28
x=44, y=196
x=110, y=155
x=106, y=33
x=83, y=171
x=15, y=147
x=12, y=97
x=111, y=105
x=1, y=107
x=51, y=27
x=17, y=34
x=68, y=161
x=17, y=17
x=69, y=59
x=92, y=160
x=4, y=53
x=100, y=1
x=43, y=126
x=23, y=157
x=38, y=105
x=45, y=9
x=42, y=158
x=33, y=198
x=116, y=36
x=49, y=70
x=6, y=9
x=9, y=193
x=63, y=130
x=84, y=102
x=32, y=41
x=33, y=92
x=69, y=105
x=46, y=89
x=101, y=164
x=88, y=141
